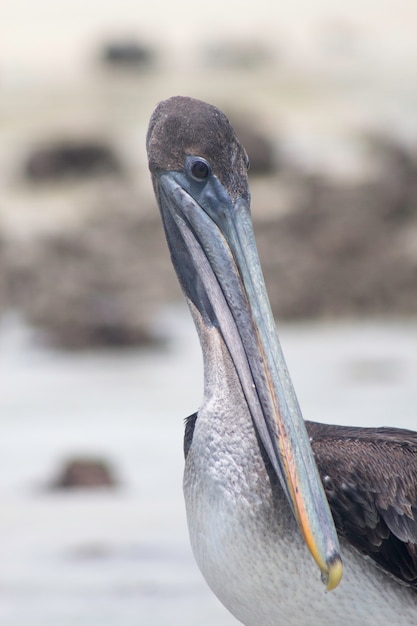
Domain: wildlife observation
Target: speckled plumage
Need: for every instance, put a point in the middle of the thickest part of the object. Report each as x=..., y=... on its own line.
x=197, y=128
x=244, y=536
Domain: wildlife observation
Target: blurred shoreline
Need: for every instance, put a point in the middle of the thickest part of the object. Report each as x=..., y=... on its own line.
x=327, y=93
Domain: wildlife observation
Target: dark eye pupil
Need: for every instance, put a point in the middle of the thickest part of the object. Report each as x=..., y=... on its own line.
x=200, y=170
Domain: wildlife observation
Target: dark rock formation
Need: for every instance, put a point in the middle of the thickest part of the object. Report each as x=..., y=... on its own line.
x=95, y=286
x=86, y=473
x=67, y=158
x=345, y=250
x=341, y=249
x=127, y=54
x=260, y=148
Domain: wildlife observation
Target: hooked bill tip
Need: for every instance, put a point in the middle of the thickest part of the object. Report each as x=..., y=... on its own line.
x=332, y=575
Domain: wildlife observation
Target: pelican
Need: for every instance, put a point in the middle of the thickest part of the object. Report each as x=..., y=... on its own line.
x=268, y=496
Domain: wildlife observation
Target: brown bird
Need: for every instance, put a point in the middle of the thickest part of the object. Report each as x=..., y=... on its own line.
x=262, y=487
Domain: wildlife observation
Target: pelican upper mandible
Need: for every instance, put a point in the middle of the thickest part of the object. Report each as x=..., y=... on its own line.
x=264, y=490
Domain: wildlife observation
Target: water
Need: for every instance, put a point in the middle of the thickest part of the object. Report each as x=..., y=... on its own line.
x=122, y=557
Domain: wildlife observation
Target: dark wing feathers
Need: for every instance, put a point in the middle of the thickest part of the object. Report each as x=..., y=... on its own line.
x=189, y=432
x=370, y=479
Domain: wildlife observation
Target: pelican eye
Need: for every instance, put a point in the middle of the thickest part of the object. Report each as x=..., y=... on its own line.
x=199, y=169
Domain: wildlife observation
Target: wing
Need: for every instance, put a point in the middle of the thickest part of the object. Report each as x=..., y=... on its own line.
x=370, y=479
x=189, y=431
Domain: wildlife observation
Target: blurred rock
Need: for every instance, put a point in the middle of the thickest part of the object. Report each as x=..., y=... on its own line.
x=260, y=148
x=94, y=286
x=395, y=179
x=85, y=473
x=3, y=276
x=340, y=249
x=69, y=158
x=343, y=249
x=127, y=54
